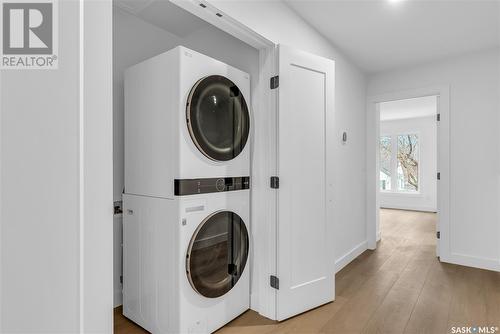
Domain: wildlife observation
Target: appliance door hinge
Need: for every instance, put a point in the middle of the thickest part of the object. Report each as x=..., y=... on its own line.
x=439, y=176
x=274, y=282
x=438, y=234
x=275, y=182
x=438, y=117
x=275, y=82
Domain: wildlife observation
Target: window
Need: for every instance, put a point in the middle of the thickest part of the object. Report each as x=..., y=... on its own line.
x=385, y=163
x=399, y=160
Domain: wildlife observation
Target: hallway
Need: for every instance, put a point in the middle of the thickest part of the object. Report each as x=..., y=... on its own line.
x=399, y=288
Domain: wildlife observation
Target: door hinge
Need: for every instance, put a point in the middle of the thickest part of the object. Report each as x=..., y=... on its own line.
x=438, y=234
x=275, y=82
x=438, y=117
x=275, y=182
x=439, y=176
x=121, y=279
x=275, y=282
x=118, y=207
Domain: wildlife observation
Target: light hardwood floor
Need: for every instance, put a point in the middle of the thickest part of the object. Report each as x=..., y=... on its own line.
x=399, y=288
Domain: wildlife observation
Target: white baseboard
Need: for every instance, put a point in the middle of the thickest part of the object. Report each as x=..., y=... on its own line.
x=409, y=207
x=117, y=298
x=472, y=261
x=345, y=259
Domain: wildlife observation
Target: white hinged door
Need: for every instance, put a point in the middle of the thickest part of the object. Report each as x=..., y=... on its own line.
x=305, y=259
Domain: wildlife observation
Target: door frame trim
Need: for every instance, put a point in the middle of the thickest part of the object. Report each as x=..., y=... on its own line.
x=443, y=163
x=95, y=166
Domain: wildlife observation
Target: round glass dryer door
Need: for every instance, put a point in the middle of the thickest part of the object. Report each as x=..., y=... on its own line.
x=217, y=254
x=218, y=118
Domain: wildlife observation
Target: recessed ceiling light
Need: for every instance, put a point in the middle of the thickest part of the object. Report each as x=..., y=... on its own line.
x=395, y=1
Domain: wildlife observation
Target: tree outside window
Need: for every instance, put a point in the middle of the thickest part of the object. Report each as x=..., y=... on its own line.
x=408, y=162
x=401, y=162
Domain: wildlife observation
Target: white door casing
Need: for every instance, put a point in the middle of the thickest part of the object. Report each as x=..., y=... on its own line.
x=305, y=259
x=443, y=165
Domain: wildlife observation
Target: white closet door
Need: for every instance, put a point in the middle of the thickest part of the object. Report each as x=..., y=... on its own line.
x=305, y=229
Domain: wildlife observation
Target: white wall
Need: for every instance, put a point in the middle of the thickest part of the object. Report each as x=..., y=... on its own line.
x=136, y=40
x=55, y=193
x=39, y=191
x=277, y=22
x=426, y=129
x=474, y=81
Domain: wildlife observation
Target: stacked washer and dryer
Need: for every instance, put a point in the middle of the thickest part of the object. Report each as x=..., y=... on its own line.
x=186, y=233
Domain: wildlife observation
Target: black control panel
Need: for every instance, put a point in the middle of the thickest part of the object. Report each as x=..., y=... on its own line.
x=211, y=185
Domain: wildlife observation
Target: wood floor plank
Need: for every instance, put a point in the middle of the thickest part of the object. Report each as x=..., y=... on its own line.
x=430, y=315
x=394, y=312
x=353, y=316
x=347, y=286
x=492, y=296
x=468, y=305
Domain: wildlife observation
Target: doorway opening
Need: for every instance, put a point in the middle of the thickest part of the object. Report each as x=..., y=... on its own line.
x=222, y=73
x=408, y=174
x=142, y=31
x=409, y=160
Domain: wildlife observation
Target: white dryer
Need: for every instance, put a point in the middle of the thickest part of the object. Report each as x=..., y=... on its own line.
x=186, y=267
x=187, y=116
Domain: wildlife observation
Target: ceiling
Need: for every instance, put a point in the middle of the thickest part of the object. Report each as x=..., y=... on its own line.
x=408, y=108
x=380, y=35
x=164, y=14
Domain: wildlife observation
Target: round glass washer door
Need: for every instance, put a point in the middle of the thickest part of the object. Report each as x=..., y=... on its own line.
x=217, y=117
x=217, y=254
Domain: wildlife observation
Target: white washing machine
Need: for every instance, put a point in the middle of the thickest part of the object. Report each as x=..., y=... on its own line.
x=187, y=116
x=186, y=267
